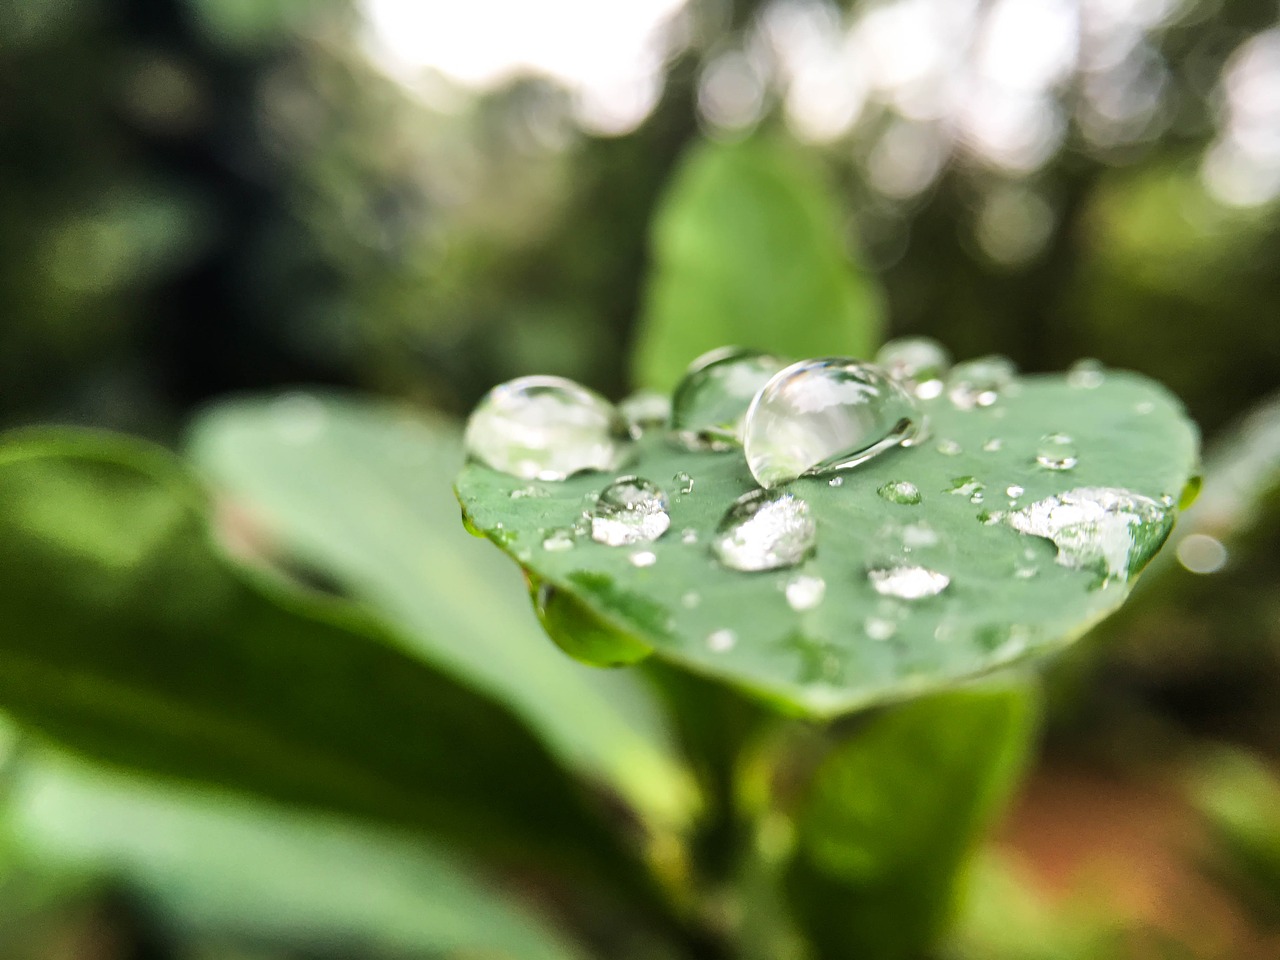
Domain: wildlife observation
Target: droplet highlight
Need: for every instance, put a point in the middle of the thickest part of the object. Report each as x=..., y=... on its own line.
x=765, y=530
x=819, y=416
x=546, y=428
x=710, y=403
x=630, y=510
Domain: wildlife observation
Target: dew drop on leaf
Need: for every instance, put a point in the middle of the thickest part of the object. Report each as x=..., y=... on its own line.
x=805, y=592
x=710, y=403
x=1087, y=374
x=907, y=582
x=765, y=530
x=980, y=382
x=645, y=410
x=630, y=510
x=546, y=428
x=836, y=482
x=904, y=561
x=557, y=541
x=900, y=491
x=949, y=448
x=684, y=483
x=1057, y=451
x=819, y=416
x=642, y=558
x=721, y=640
x=918, y=363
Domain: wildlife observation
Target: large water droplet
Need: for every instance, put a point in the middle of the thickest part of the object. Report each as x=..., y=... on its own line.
x=817, y=416
x=900, y=491
x=629, y=510
x=918, y=363
x=805, y=592
x=765, y=530
x=980, y=382
x=1109, y=530
x=546, y=428
x=710, y=403
x=645, y=410
x=1057, y=451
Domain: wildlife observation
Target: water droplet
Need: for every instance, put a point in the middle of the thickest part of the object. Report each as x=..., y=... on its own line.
x=980, y=382
x=546, y=428
x=711, y=401
x=1087, y=374
x=765, y=530
x=818, y=416
x=689, y=535
x=900, y=491
x=722, y=640
x=907, y=582
x=1027, y=564
x=1013, y=491
x=1111, y=531
x=1057, y=451
x=949, y=448
x=684, y=483
x=836, y=482
x=629, y=510
x=525, y=493
x=645, y=410
x=918, y=363
x=992, y=445
x=878, y=628
x=691, y=599
x=805, y=592
x=970, y=487
x=1201, y=553
x=299, y=418
x=559, y=540
x=642, y=558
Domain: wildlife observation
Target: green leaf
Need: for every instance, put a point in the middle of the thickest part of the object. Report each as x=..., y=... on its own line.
x=836, y=657
x=892, y=813
x=749, y=250
x=360, y=492
x=217, y=868
x=127, y=636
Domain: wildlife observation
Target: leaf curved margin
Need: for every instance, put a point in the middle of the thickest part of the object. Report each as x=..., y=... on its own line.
x=128, y=637
x=1130, y=433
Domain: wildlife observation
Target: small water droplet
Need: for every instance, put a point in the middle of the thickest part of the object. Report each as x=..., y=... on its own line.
x=918, y=363
x=907, y=582
x=949, y=448
x=684, y=483
x=765, y=530
x=642, y=558
x=1106, y=529
x=970, y=487
x=529, y=492
x=629, y=510
x=721, y=640
x=645, y=410
x=819, y=416
x=710, y=403
x=980, y=382
x=1057, y=451
x=1087, y=374
x=992, y=445
x=1027, y=564
x=1201, y=553
x=557, y=541
x=546, y=428
x=1013, y=491
x=900, y=491
x=299, y=418
x=878, y=628
x=689, y=535
x=836, y=482
x=691, y=599
x=805, y=592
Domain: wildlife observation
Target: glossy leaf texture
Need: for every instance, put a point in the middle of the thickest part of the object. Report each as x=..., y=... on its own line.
x=129, y=637
x=216, y=869
x=1007, y=600
x=748, y=250
x=892, y=813
x=359, y=491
